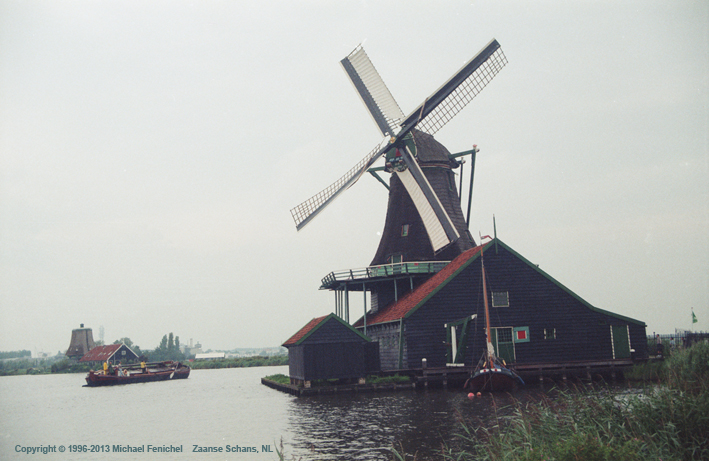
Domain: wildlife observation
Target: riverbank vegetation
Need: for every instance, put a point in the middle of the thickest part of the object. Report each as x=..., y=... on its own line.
x=33, y=366
x=667, y=418
x=379, y=380
x=15, y=354
x=239, y=362
x=279, y=378
x=45, y=366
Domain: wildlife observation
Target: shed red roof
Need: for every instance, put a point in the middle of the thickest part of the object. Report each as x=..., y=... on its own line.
x=101, y=353
x=304, y=331
x=410, y=301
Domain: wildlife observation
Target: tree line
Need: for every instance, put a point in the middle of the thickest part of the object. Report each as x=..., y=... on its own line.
x=168, y=349
x=15, y=354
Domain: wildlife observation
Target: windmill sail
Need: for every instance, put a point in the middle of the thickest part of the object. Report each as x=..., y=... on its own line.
x=429, y=117
x=438, y=224
x=439, y=108
x=303, y=213
x=374, y=93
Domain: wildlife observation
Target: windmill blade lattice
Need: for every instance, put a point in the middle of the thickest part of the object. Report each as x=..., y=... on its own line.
x=458, y=91
x=303, y=213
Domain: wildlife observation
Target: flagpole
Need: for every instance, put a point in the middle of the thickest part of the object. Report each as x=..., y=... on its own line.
x=694, y=319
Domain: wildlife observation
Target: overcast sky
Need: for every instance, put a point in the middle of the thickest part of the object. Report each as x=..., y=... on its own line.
x=150, y=153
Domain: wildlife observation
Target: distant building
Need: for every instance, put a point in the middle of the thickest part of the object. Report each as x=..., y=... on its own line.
x=210, y=356
x=192, y=349
x=113, y=353
x=82, y=341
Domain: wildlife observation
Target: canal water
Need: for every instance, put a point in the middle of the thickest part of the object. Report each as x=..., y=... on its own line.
x=227, y=408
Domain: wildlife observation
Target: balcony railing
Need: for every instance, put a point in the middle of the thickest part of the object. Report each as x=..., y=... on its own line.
x=386, y=270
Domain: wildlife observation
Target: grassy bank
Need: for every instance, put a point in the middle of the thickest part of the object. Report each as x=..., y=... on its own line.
x=279, y=378
x=41, y=367
x=669, y=421
x=34, y=367
x=395, y=379
x=240, y=362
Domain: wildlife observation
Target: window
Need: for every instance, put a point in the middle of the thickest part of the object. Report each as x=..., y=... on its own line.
x=500, y=299
x=521, y=334
x=550, y=333
x=395, y=259
x=405, y=230
x=504, y=335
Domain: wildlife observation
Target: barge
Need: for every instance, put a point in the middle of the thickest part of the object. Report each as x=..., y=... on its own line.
x=143, y=373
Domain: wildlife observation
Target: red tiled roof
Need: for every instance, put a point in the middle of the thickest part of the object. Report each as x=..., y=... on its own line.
x=304, y=331
x=100, y=353
x=410, y=301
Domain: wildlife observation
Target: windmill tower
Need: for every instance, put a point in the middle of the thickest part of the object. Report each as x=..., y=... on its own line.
x=404, y=237
x=424, y=223
x=82, y=341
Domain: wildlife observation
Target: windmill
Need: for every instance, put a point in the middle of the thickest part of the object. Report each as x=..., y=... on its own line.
x=407, y=145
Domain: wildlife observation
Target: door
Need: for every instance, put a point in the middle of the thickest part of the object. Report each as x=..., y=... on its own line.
x=502, y=340
x=620, y=336
x=456, y=337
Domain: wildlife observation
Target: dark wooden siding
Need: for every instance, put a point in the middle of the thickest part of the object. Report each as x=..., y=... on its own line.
x=425, y=331
x=436, y=164
x=638, y=341
x=535, y=302
x=331, y=351
x=387, y=337
x=371, y=357
x=296, y=362
x=124, y=354
x=327, y=361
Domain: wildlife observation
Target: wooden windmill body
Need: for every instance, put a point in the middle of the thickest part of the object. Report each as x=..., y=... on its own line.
x=404, y=237
x=424, y=226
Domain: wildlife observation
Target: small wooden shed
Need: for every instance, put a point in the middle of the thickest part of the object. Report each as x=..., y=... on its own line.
x=329, y=348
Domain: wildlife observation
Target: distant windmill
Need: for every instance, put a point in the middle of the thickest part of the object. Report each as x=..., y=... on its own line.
x=428, y=214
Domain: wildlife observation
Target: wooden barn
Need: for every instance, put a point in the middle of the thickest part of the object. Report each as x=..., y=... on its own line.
x=534, y=318
x=328, y=348
x=112, y=353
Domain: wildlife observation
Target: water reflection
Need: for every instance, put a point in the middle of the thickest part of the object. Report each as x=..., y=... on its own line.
x=365, y=426
x=230, y=406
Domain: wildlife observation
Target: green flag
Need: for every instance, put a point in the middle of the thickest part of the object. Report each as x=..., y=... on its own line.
x=694, y=318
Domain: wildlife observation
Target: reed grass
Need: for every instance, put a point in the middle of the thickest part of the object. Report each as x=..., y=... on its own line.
x=395, y=379
x=668, y=422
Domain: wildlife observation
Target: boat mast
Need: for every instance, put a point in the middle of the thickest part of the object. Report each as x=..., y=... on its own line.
x=487, y=312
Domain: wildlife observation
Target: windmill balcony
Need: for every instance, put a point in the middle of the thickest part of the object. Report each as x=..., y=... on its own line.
x=335, y=278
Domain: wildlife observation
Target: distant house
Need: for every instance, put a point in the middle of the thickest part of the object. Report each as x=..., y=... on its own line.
x=210, y=356
x=327, y=348
x=534, y=318
x=112, y=353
